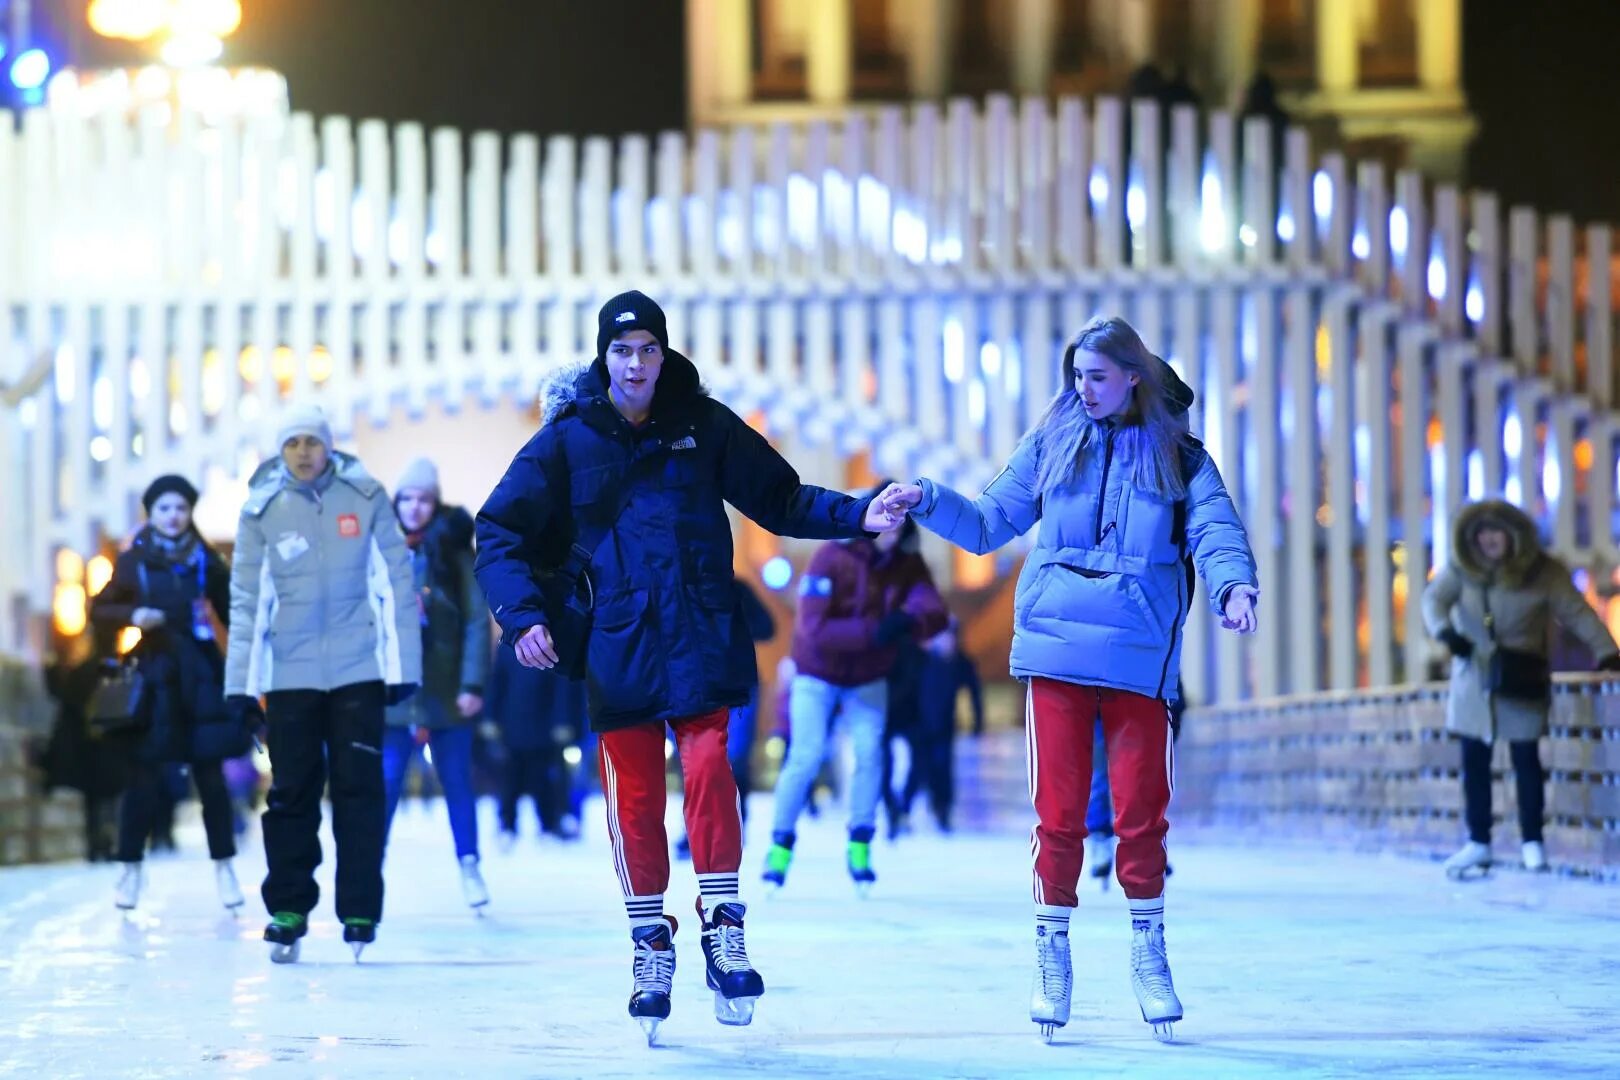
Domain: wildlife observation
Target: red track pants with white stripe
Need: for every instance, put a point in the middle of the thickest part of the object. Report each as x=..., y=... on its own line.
x=1059, y=722
x=632, y=765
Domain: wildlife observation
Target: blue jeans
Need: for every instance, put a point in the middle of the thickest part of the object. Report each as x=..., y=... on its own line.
x=813, y=704
x=452, y=761
x=1100, y=811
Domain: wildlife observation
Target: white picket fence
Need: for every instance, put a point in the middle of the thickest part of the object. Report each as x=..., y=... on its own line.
x=1367, y=356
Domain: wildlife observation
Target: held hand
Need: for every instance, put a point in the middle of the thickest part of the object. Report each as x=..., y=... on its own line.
x=534, y=649
x=1239, y=615
x=469, y=704
x=146, y=618
x=901, y=498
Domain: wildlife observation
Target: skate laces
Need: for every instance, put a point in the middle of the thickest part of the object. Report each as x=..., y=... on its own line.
x=1151, y=963
x=654, y=967
x=728, y=949
x=1052, y=960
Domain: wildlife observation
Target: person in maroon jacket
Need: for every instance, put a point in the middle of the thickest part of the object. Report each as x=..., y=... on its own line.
x=857, y=601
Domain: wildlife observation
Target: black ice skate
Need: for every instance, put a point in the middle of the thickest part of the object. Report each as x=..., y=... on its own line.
x=359, y=933
x=284, y=933
x=735, y=983
x=654, y=973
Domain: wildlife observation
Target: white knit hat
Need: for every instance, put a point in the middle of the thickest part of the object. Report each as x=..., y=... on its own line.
x=419, y=475
x=304, y=420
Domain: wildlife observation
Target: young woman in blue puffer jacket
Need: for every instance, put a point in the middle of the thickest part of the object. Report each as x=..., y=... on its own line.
x=1124, y=497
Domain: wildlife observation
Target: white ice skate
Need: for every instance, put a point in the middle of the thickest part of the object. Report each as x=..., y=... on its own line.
x=230, y=893
x=127, y=893
x=1100, y=858
x=1535, y=856
x=1054, y=982
x=1474, y=860
x=1150, y=978
x=472, y=884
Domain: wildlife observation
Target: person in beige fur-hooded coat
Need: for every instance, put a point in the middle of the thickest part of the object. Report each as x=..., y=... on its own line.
x=1499, y=570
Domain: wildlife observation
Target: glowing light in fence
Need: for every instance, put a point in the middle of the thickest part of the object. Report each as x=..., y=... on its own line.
x=990, y=359
x=1399, y=231
x=1286, y=230
x=1322, y=198
x=1437, y=270
x=572, y=755
x=1474, y=299
x=1512, y=490
x=1512, y=436
x=1098, y=188
x=67, y=609
x=802, y=211
x=910, y=235
x=69, y=566
x=976, y=402
x=1248, y=236
x=213, y=382
x=192, y=50
x=840, y=208
x=1212, y=225
x=873, y=206
x=1360, y=246
x=1552, y=474
x=1136, y=208
x=101, y=403
x=101, y=449
x=1584, y=455
x=1476, y=475
x=321, y=364
x=955, y=356
x=777, y=573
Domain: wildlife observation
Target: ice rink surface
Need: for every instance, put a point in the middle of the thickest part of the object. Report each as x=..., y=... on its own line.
x=1290, y=962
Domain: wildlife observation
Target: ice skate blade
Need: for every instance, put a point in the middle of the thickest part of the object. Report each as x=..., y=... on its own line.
x=1470, y=873
x=284, y=954
x=358, y=947
x=1049, y=1030
x=1165, y=1031
x=734, y=1012
x=863, y=889
x=649, y=1027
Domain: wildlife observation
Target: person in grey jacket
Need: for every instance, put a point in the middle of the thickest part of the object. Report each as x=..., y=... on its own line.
x=325, y=626
x=1501, y=592
x=1128, y=504
x=455, y=630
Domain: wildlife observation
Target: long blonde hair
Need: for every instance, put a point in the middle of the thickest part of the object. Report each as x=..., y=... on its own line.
x=1149, y=438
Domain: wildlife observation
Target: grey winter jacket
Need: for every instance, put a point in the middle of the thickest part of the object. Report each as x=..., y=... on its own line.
x=1102, y=599
x=1524, y=595
x=322, y=594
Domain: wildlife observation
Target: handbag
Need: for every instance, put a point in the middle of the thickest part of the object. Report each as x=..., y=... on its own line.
x=1515, y=673
x=117, y=704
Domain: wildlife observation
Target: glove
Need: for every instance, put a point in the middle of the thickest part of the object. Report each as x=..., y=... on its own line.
x=1460, y=646
x=399, y=693
x=891, y=628
x=245, y=710
x=1609, y=663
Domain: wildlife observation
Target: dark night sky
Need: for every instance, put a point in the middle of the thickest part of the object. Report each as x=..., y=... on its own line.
x=1539, y=76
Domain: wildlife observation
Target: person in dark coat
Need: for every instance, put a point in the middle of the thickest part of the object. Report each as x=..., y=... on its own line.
x=174, y=588
x=635, y=464
x=97, y=768
x=540, y=714
x=944, y=671
x=455, y=663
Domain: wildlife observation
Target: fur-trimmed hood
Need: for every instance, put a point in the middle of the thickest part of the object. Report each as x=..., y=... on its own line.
x=1525, y=551
x=583, y=387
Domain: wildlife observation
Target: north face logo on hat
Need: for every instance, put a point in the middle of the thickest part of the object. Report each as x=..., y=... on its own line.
x=624, y=316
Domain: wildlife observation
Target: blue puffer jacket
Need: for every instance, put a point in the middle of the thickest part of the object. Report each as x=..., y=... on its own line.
x=669, y=638
x=1102, y=599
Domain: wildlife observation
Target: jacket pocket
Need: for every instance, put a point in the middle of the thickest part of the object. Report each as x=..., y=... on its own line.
x=622, y=669
x=1073, y=595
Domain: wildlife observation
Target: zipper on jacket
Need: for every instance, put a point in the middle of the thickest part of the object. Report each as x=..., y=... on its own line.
x=1175, y=632
x=1102, y=490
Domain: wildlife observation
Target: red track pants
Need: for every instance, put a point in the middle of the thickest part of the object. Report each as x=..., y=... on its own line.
x=1059, y=726
x=632, y=765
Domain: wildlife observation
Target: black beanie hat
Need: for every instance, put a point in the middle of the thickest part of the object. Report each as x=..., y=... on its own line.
x=631, y=310
x=166, y=485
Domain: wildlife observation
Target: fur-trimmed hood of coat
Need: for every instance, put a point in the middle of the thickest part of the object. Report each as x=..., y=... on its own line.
x=577, y=385
x=1525, y=552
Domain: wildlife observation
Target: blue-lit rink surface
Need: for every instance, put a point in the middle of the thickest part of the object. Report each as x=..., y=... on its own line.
x=1291, y=962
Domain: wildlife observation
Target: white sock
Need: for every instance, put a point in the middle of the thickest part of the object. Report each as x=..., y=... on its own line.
x=1053, y=918
x=1148, y=914
x=717, y=889
x=644, y=910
